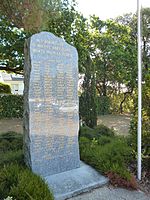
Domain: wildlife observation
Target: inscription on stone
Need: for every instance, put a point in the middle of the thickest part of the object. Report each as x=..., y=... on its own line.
x=51, y=105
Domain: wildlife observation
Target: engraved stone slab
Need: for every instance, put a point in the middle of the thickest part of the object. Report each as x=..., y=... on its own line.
x=51, y=117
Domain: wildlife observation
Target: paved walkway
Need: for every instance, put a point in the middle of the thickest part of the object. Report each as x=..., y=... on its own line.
x=110, y=193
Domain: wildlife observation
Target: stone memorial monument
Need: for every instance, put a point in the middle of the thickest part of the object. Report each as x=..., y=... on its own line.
x=51, y=120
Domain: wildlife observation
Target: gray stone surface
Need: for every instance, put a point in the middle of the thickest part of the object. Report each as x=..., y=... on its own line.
x=70, y=183
x=51, y=105
x=110, y=193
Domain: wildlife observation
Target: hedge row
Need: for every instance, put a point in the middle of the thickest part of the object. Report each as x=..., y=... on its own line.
x=5, y=88
x=11, y=106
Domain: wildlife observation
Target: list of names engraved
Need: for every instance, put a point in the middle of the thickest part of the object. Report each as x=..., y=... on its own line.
x=53, y=105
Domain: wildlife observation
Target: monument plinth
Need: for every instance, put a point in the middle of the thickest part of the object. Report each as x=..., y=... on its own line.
x=51, y=119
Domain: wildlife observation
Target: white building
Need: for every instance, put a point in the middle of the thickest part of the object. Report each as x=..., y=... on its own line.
x=14, y=80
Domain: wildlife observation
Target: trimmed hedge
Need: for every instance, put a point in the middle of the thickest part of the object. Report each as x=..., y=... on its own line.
x=5, y=88
x=11, y=106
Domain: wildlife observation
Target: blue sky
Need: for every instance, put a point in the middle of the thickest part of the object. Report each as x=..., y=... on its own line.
x=109, y=8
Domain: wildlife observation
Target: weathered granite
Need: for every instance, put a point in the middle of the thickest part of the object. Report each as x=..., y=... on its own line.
x=50, y=105
x=76, y=181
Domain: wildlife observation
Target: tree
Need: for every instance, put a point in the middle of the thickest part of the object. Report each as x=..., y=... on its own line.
x=115, y=57
x=17, y=22
x=29, y=14
x=145, y=91
x=11, y=47
x=88, y=100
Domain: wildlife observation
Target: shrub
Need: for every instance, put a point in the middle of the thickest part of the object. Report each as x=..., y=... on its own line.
x=11, y=106
x=11, y=148
x=11, y=141
x=15, y=179
x=8, y=178
x=11, y=157
x=87, y=132
x=104, y=130
x=30, y=186
x=108, y=155
x=104, y=140
x=22, y=184
x=5, y=88
x=96, y=132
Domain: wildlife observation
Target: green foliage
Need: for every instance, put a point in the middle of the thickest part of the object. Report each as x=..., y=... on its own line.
x=11, y=106
x=103, y=105
x=22, y=184
x=8, y=178
x=11, y=46
x=99, y=131
x=15, y=179
x=107, y=155
x=106, y=152
x=30, y=186
x=5, y=88
x=145, y=119
x=116, y=100
x=20, y=20
x=88, y=99
x=11, y=148
x=11, y=157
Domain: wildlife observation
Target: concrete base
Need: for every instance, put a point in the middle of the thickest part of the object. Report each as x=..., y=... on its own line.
x=71, y=183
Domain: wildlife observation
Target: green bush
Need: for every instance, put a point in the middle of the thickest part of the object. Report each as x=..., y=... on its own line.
x=11, y=148
x=30, y=186
x=104, y=140
x=11, y=141
x=8, y=178
x=107, y=154
x=96, y=132
x=22, y=184
x=11, y=157
x=11, y=106
x=15, y=179
x=5, y=88
x=104, y=130
x=85, y=131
